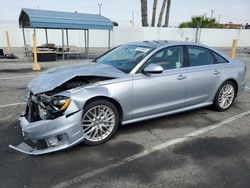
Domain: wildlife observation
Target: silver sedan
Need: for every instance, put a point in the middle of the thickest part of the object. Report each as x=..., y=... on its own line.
x=132, y=82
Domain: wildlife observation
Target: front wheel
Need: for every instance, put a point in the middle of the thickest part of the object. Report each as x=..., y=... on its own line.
x=99, y=121
x=225, y=96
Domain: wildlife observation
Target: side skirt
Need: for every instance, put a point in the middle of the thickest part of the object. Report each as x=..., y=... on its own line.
x=167, y=113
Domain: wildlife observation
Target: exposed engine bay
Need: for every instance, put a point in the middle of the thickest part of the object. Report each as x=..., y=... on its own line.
x=76, y=82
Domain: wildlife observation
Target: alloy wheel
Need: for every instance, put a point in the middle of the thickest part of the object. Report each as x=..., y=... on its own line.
x=98, y=123
x=226, y=96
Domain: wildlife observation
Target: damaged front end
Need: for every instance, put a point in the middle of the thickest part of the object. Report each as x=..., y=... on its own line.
x=52, y=120
x=47, y=127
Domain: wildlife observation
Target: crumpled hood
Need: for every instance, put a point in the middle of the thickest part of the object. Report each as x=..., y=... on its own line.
x=55, y=77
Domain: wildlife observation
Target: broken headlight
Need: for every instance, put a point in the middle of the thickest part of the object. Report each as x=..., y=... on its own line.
x=52, y=107
x=61, y=102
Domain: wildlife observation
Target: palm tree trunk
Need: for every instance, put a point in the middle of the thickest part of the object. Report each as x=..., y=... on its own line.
x=144, y=13
x=167, y=13
x=154, y=13
x=161, y=13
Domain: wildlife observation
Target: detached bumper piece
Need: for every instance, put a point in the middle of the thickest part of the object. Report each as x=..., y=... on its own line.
x=40, y=147
x=27, y=149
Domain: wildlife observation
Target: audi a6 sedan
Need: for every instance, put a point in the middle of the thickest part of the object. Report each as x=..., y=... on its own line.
x=132, y=82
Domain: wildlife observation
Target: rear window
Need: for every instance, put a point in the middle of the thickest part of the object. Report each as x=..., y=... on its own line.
x=199, y=56
x=219, y=58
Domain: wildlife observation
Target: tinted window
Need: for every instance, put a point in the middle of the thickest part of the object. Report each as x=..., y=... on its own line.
x=168, y=58
x=219, y=58
x=199, y=56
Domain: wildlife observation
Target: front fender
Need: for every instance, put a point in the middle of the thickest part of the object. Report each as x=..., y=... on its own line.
x=120, y=92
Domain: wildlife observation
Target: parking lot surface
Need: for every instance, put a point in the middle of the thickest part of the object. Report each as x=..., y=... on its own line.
x=200, y=148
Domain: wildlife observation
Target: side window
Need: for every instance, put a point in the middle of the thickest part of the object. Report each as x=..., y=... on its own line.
x=199, y=56
x=219, y=58
x=168, y=58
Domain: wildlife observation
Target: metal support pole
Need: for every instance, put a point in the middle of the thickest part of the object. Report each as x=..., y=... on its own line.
x=85, y=41
x=198, y=29
x=24, y=39
x=63, y=43
x=199, y=39
x=87, y=44
x=67, y=37
x=46, y=35
x=109, y=40
x=26, y=50
x=8, y=42
x=24, y=42
x=197, y=33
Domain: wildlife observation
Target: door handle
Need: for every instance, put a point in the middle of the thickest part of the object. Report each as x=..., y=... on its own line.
x=216, y=72
x=181, y=77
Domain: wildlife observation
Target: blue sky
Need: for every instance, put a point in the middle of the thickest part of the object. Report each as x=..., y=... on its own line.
x=236, y=11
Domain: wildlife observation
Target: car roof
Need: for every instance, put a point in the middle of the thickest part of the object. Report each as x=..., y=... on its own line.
x=151, y=43
x=160, y=43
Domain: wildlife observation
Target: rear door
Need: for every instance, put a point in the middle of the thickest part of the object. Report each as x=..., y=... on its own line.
x=203, y=75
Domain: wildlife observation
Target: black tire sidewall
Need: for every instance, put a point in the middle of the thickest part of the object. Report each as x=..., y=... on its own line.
x=216, y=99
x=116, y=113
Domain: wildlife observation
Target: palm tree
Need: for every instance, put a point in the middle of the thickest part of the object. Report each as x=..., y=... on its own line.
x=144, y=13
x=167, y=13
x=154, y=13
x=161, y=13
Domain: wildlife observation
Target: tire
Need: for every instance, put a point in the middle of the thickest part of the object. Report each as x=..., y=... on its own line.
x=99, y=121
x=224, y=92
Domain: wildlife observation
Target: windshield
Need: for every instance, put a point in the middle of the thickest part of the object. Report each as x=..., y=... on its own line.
x=125, y=57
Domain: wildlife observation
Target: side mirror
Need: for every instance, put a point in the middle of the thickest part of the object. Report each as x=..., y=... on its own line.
x=153, y=69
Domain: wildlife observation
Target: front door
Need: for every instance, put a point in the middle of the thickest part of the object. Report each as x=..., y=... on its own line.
x=161, y=92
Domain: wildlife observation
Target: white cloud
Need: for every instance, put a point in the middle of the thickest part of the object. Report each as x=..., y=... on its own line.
x=237, y=7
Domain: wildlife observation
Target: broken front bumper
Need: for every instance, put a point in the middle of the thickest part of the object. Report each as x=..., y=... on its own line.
x=57, y=134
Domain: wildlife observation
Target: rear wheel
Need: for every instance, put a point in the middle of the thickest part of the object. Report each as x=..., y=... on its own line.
x=225, y=96
x=99, y=121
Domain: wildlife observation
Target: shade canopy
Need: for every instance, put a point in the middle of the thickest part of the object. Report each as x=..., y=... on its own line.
x=32, y=18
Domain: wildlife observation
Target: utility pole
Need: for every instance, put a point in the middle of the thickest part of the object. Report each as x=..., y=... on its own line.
x=198, y=30
x=212, y=13
x=219, y=18
x=100, y=8
x=133, y=18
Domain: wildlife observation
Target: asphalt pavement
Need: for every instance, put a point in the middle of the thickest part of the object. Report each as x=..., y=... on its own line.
x=200, y=148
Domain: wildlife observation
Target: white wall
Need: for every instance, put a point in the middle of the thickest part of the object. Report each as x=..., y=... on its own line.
x=120, y=35
x=123, y=35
